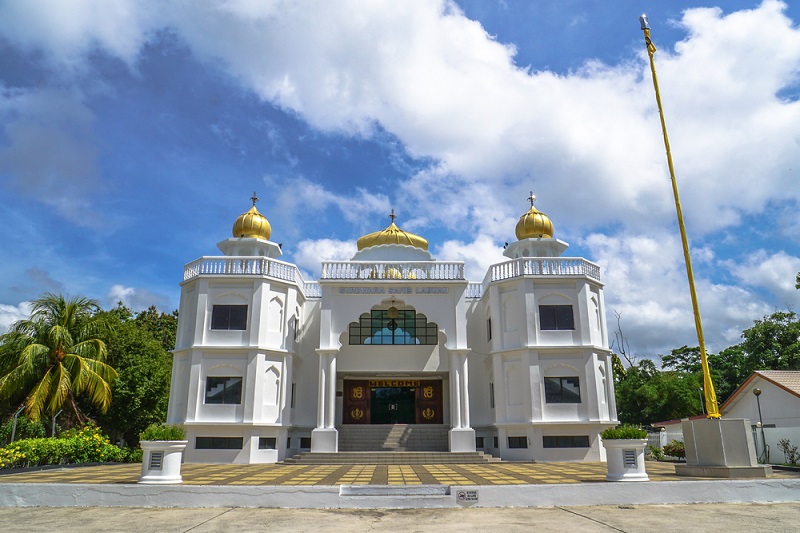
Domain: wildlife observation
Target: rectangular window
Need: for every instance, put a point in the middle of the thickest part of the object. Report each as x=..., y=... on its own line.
x=218, y=443
x=267, y=443
x=491, y=395
x=496, y=442
x=229, y=317
x=294, y=389
x=517, y=442
x=479, y=442
x=226, y=390
x=288, y=442
x=556, y=317
x=565, y=441
x=562, y=390
x=305, y=442
x=488, y=329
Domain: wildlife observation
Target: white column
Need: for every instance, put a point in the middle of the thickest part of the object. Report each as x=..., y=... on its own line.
x=464, y=375
x=330, y=407
x=325, y=437
x=462, y=436
x=321, y=390
x=455, y=394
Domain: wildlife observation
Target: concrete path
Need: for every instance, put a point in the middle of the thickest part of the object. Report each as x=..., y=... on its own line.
x=645, y=518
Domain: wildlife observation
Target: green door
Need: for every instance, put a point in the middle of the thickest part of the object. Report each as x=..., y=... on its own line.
x=392, y=405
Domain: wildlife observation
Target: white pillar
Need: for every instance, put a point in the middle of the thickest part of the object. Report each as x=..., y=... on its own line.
x=455, y=387
x=325, y=437
x=330, y=400
x=464, y=375
x=462, y=436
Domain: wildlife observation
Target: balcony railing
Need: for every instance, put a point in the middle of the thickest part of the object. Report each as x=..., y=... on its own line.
x=393, y=270
x=250, y=266
x=542, y=266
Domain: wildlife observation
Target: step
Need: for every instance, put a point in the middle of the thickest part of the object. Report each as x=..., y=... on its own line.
x=392, y=458
x=393, y=437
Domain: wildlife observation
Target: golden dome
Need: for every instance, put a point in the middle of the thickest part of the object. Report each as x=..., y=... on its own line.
x=392, y=235
x=534, y=224
x=252, y=224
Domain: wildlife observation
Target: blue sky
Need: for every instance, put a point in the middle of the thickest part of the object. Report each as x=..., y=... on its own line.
x=132, y=134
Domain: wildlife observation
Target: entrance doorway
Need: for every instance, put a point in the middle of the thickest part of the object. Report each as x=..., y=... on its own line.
x=392, y=405
x=392, y=401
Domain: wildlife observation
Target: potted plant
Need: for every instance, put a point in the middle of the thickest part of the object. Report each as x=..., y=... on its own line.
x=625, y=446
x=162, y=453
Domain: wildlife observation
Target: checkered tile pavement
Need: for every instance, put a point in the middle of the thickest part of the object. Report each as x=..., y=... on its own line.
x=279, y=474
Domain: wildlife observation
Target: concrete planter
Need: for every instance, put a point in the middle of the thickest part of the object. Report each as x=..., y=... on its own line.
x=625, y=459
x=161, y=461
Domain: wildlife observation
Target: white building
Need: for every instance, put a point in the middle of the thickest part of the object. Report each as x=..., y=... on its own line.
x=267, y=364
x=777, y=406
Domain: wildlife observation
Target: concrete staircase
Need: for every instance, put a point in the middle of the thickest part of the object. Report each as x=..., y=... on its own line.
x=393, y=444
x=391, y=458
x=393, y=437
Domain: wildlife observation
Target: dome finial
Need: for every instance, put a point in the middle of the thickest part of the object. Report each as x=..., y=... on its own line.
x=534, y=224
x=252, y=224
x=392, y=216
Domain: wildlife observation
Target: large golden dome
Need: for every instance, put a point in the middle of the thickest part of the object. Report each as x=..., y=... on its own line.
x=252, y=224
x=534, y=224
x=392, y=235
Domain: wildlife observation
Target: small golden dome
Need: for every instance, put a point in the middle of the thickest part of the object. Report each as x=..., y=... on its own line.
x=534, y=224
x=252, y=224
x=392, y=235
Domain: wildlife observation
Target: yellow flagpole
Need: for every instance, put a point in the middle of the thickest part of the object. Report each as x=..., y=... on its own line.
x=712, y=407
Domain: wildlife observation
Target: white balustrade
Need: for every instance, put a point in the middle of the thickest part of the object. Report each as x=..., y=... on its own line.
x=474, y=290
x=393, y=270
x=542, y=266
x=250, y=266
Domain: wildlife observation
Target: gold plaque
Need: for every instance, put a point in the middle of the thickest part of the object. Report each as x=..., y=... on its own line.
x=358, y=393
x=427, y=392
x=428, y=414
x=357, y=414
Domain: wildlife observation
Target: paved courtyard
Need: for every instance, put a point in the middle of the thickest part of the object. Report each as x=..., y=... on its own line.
x=506, y=473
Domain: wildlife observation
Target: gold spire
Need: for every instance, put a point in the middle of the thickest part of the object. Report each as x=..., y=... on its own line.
x=534, y=224
x=252, y=224
x=392, y=235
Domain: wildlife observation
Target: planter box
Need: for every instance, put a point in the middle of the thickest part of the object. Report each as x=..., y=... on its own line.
x=161, y=461
x=625, y=459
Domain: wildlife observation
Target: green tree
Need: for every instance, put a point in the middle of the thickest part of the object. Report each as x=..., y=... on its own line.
x=55, y=356
x=162, y=326
x=772, y=343
x=141, y=394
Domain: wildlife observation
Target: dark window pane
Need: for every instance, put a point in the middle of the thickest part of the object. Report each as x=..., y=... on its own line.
x=223, y=390
x=218, y=443
x=517, y=442
x=565, y=441
x=562, y=390
x=267, y=443
x=232, y=317
x=305, y=442
x=556, y=317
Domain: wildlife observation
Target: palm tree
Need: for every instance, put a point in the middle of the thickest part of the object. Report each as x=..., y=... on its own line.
x=55, y=356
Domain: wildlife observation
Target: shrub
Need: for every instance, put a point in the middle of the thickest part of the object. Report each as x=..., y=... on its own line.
x=625, y=431
x=656, y=453
x=26, y=429
x=163, y=432
x=675, y=449
x=75, y=446
x=790, y=452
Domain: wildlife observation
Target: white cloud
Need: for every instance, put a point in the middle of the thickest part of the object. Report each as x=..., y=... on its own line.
x=478, y=255
x=13, y=313
x=774, y=272
x=646, y=283
x=137, y=299
x=310, y=253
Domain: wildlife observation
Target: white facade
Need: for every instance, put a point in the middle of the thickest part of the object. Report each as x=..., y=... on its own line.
x=516, y=365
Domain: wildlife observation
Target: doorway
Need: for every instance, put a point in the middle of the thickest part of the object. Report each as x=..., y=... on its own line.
x=392, y=405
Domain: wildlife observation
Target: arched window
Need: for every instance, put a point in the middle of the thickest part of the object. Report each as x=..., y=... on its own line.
x=393, y=326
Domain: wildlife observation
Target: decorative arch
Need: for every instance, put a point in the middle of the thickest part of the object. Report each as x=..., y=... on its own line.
x=393, y=326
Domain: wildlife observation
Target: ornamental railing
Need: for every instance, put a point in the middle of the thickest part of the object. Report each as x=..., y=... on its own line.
x=542, y=266
x=474, y=290
x=393, y=270
x=251, y=266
